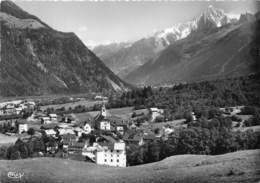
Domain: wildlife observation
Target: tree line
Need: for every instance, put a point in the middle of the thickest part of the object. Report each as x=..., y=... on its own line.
x=196, y=97
x=206, y=137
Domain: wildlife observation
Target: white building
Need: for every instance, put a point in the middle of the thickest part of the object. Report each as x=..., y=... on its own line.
x=232, y=110
x=105, y=125
x=168, y=130
x=155, y=112
x=18, y=110
x=46, y=120
x=53, y=117
x=194, y=118
x=110, y=154
x=63, y=131
x=22, y=128
x=87, y=128
x=50, y=132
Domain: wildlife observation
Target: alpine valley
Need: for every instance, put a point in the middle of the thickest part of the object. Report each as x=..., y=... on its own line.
x=37, y=60
x=211, y=46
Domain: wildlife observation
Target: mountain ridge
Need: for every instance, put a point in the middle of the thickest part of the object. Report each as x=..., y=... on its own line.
x=221, y=52
x=125, y=60
x=37, y=60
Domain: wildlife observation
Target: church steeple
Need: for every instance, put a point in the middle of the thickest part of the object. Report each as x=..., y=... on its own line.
x=103, y=111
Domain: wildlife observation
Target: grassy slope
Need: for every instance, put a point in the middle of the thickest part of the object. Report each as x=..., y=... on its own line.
x=6, y=140
x=183, y=168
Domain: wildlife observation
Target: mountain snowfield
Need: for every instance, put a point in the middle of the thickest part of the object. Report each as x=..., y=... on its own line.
x=181, y=30
x=203, y=55
x=125, y=59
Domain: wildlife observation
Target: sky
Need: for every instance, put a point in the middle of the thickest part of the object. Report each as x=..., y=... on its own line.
x=104, y=22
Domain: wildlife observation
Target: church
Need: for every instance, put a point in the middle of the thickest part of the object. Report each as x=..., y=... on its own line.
x=102, y=120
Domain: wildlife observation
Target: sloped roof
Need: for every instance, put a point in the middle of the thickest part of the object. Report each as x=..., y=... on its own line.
x=149, y=137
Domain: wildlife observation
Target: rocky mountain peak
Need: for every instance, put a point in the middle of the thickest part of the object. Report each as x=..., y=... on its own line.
x=212, y=18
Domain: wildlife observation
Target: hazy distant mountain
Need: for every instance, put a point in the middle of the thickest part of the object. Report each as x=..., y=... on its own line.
x=36, y=59
x=126, y=58
x=203, y=55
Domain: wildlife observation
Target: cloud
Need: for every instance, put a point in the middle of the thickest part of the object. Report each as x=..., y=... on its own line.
x=82, y=29
x=92, y=44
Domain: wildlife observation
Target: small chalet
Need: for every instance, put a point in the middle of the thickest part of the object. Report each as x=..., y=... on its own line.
x=68, y=139
x=75, y=147
x=53, y=118
x=22, y=128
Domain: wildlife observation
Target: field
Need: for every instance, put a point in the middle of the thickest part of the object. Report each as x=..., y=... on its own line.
x=86, y=103
x=174, y=123
x=124, y=113
x=43, y=97
x=241, y=166
x=6, y=140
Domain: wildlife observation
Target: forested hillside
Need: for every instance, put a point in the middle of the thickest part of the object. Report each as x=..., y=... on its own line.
x=196, y=97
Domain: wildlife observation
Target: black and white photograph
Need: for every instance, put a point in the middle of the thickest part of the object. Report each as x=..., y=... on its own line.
x=130, y=91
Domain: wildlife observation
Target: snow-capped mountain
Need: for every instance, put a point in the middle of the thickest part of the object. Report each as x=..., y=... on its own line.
x=125, y=59
x=210, y=18
x=205, y=55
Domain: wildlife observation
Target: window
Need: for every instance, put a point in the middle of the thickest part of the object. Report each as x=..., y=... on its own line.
x=105, y=160
x=111, y=160
x=117, y=160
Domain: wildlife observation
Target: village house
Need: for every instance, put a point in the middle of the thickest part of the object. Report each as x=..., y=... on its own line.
x=99, y=97
x=155, y=112
x=22, y=128
x=53, y=118
x=2, y=111
x=168, y=130
x=9, y=109
x=75, y=147
x=63, y=131
x=68, y=139
x=118, y=124
x=18, y=110
x=45, y=120
x=194, y=118
x=232, y=110
x=50, y=132
x=90, y=151
x=78, y=131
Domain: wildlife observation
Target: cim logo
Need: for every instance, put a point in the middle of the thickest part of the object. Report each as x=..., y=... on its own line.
x=15, y=175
